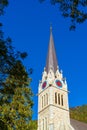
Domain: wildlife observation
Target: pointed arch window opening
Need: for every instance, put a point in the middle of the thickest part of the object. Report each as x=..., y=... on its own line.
x=62, y=103
x=59, y=98
x=55, y=97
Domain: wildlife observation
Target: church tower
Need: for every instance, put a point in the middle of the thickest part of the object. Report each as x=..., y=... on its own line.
x=53, y=109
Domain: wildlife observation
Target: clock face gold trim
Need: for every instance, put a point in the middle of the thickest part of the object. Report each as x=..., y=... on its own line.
x=44, y=84
x=58, y=83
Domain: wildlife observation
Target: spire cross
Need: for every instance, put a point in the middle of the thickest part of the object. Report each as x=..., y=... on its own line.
x=50, y=27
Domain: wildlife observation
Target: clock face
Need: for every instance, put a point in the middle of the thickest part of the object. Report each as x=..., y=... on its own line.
x=44, y=84
x=58, y=83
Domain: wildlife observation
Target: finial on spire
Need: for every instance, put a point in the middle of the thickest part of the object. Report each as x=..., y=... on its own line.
x=50, y=27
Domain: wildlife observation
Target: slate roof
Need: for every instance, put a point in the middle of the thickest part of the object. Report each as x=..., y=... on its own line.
x=77, y=125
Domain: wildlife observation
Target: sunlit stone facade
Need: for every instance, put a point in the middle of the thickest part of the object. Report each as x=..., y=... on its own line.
x=53, y=108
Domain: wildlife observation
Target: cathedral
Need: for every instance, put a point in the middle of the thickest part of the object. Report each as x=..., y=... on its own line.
x=53, y=107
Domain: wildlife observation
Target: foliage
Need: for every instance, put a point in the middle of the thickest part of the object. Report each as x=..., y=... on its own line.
x=33, y=125
x=3, y=4
x=74, y=9
x=15, y=94
x=79, y=113
x=9, y=59
x=3, y=126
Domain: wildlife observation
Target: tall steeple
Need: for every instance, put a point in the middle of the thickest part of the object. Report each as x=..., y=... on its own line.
x=51, y=57
x=53, y=108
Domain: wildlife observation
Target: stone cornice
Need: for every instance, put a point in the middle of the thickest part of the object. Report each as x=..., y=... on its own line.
x=54, y=106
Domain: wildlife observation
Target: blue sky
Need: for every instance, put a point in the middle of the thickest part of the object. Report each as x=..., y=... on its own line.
x=27, y=23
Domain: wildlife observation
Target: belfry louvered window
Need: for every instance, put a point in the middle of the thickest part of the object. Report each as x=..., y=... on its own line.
x=62, y=100
x=59, y=98
x=56, y=97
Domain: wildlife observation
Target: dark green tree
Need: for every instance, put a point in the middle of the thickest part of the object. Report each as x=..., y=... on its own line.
x=75, y=10
x=3, y=4
x=15, y=94
x=3, y=126
x=79, y=113
x=33, y=125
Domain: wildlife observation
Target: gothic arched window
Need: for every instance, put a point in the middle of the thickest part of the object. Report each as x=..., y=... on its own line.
x=59, y=98
x=56, y=97
x=62, y=100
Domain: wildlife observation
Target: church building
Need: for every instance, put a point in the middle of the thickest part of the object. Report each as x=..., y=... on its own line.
x=53, y=108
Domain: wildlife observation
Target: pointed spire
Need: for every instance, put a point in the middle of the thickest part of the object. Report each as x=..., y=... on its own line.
x=51, y=57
